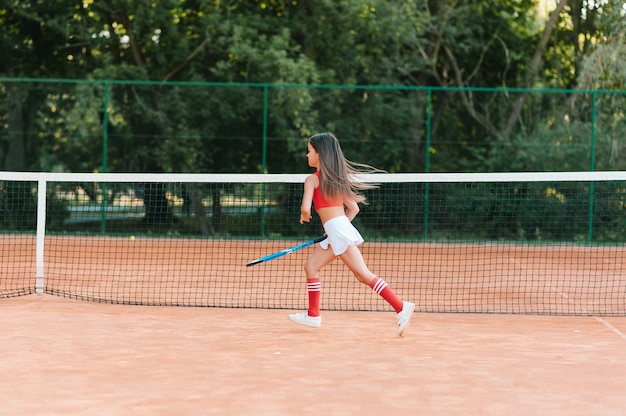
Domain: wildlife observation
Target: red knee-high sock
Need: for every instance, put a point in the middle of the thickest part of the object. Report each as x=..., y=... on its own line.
x=314, y=287
x=382, y=288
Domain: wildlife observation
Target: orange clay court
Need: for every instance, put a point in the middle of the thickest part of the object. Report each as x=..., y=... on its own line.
x=64, y=356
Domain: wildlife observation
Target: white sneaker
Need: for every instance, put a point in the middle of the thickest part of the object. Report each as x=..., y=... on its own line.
x=404, y=317
x=303, y=318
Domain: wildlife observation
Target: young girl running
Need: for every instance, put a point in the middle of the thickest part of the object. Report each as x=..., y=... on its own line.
x=335, y=198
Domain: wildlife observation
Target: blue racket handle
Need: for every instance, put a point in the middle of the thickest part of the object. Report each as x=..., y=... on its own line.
x=285, y=251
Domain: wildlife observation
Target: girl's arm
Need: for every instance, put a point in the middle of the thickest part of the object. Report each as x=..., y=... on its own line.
x=310, y=183
x=352, y=209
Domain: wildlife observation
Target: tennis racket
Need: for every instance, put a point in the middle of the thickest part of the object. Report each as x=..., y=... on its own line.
x=285, y=251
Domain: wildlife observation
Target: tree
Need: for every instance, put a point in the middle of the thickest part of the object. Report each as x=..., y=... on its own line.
x=173, y=127
x=604, y=68
x=37, y=40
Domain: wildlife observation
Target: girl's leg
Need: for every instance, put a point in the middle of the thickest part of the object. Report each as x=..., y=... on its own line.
x=312, y=267
x=353, y=258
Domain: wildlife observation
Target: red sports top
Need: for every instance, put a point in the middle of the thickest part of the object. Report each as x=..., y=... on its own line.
x=318, y=199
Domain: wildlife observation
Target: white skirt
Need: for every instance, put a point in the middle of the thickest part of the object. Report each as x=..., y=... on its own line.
x=340, y=234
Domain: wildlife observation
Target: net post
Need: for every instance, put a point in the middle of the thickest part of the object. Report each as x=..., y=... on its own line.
x=41, y=231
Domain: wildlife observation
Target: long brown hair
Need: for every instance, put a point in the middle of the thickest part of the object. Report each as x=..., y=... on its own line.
x=337, y=182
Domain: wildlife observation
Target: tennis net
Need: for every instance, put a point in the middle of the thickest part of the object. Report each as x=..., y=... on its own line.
x=531, y=243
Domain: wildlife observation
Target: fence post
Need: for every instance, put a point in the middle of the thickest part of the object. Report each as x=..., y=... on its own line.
x=264, y=158
x=105, y=127
x=105, y=151
x=592, y=165
x=427, y=161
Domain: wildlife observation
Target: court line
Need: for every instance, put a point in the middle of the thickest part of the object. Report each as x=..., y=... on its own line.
x=582, y=308
x=611, y=327
x=597, y=318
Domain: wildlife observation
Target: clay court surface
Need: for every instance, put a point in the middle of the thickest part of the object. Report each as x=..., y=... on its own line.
x=70, y=357
x=62, y=356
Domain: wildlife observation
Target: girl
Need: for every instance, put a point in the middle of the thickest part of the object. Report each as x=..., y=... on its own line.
x=335, y=197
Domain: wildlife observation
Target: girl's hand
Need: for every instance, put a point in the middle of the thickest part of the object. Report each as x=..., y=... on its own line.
x=305, y=217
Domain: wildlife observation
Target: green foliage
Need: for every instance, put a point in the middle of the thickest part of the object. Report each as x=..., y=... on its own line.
x=182, y=124
x=56, y=212
x=18, y=208
x=70, y=128
x=169, y=126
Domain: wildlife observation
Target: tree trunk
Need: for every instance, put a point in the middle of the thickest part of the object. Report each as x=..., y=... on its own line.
x=217, y=207
x=533, y=70
x=197, y=207
x=155, y=202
